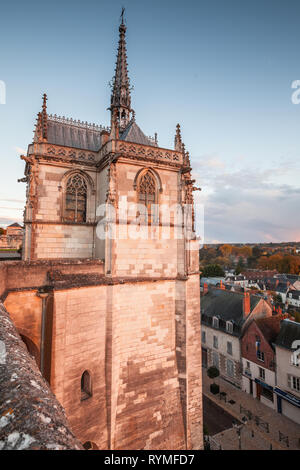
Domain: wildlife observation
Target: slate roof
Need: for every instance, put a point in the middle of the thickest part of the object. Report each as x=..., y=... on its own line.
x=80, y=135
x=15, y=225
x=71, y=135
x=227, y=305
x=289, y=332
x=270, y=327
x=282, y=287
x=5, y=255
x=133, y=133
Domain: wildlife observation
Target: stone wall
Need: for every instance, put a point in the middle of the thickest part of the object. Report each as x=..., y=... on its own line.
x=63, y=241
x=20, y=275
x=130, y=354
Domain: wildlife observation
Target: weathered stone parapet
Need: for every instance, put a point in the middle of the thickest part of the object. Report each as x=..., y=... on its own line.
x=30, y=415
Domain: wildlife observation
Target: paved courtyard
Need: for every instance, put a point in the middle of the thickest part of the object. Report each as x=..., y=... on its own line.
x=254, y=434
x=215, y=418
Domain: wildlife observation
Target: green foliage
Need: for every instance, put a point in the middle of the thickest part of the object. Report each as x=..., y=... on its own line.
x=256, y=252
x=240, y=266
x=214, y=388
x=277, y=298
x=213, y=372
x=213, y=270
x=283, y=263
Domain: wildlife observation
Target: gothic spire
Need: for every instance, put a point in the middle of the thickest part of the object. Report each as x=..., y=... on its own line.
x=120, y=97
x=41, y=125
x=178, y=140
x=44, y=117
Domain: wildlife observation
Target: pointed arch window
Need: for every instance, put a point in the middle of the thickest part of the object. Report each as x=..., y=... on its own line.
x=147, y=197
x=76, y=199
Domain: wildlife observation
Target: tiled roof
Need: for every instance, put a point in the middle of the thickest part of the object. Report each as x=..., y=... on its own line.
x=15, y=225
x=270, y=327
x=289, y=332
x=68, y=134
x=227, y=305
x=133, y=133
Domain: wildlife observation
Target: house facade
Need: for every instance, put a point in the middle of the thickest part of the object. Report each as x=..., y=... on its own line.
x=287, y=388
x=258, y=359
x=293, y=298
x=224, y=315
x=12, y=238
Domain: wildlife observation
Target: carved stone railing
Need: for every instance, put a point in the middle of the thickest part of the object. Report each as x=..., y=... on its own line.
x=81, y=124
x=65, y=153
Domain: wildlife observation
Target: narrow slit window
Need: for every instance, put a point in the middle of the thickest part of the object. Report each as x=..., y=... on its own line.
x=86, y=386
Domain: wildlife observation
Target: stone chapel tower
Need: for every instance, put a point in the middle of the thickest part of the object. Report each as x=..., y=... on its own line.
x=109, y=217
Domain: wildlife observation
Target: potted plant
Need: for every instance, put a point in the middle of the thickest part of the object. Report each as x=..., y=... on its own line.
x=213, y=373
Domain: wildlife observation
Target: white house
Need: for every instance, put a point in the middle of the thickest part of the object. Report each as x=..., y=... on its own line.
x=288, y=370
x=293, y=298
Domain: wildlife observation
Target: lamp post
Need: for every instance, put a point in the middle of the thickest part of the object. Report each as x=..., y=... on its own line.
x=238, y=428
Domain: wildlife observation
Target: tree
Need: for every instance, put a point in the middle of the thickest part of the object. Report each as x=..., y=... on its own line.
x=226, y=250
x=240, y=266
x=213, y=270
x=277, y=298
x=213, y=372
x=256, y=252
x=2, y=231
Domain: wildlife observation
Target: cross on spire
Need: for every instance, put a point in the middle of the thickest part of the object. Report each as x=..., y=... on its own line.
x=120, y=97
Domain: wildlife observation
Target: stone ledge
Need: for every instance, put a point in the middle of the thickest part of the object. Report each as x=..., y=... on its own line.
x=30, y=415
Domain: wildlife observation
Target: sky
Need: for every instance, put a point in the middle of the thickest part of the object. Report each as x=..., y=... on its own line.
x=222, y=69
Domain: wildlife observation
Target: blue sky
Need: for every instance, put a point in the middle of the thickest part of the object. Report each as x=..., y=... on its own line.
x=223, y=69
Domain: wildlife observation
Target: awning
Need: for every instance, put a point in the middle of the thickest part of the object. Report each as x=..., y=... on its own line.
x=263, y=384
x=288, y=396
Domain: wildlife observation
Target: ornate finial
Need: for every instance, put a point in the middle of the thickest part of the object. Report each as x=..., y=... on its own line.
x=41, y=128
x=177, y=140
x=187, y=159
x=122, y=15
x=44, y=117
x=45, y=102
x=120, y=97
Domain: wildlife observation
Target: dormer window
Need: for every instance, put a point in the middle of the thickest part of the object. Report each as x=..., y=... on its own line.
x=229, y=327
x=215, y=322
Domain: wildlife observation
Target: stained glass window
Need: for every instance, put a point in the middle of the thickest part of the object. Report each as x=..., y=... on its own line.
x=76, y=196
x=147, y=196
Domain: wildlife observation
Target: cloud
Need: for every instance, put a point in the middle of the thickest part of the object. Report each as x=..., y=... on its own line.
x=4, y=221
x=249, y=205
x=22, y=201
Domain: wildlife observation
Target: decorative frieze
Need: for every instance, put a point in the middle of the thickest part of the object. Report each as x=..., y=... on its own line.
x=148, y=152
x=64, y=153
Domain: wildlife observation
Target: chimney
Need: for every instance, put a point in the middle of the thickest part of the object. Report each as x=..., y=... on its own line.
x=205, y=288
x=246, y=304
